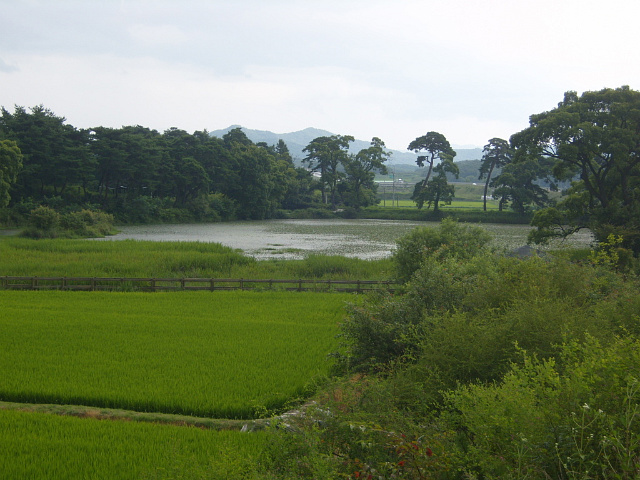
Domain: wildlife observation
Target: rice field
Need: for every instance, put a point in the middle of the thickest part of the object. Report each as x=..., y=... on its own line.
x=224, y=354
x=40, y=446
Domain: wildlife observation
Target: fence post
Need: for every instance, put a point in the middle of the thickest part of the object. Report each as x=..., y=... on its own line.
x=212, y=284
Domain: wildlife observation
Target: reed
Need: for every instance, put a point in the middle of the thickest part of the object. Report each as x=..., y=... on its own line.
x=133, y=258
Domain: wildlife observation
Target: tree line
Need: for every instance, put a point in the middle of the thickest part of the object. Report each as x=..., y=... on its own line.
x=141, y=175
x=590, y=142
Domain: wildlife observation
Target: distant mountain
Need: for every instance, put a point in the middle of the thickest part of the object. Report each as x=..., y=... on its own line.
x=297, y=141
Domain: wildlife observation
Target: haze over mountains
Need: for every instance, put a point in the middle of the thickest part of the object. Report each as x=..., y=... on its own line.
x=297, y=141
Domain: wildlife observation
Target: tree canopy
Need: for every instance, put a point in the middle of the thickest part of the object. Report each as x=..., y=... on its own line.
x=10, y=165
x=596, y=138
x=326, y=155
x=439, y=159
x=496, y=154
x=141, y=175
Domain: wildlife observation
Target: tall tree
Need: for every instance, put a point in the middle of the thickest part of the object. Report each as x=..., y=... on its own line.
x=282, y=152
x=595, y=136
x=55, y=153
x=10, y=165
x=436, y=148
x=496, y=154
x=129, y=160
x=360, y=172
x=517, y=184
x=326, y=155
x=437, y=190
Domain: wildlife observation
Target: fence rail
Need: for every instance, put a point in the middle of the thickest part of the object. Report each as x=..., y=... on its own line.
x=211, y=284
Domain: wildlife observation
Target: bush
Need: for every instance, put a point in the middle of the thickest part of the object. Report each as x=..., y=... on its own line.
x=465, y=316
x=44, y=222
x=572, y=418
x=490, y=367
x=450, y=239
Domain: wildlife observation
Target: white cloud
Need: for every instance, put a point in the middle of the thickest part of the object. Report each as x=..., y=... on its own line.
x=472, y=70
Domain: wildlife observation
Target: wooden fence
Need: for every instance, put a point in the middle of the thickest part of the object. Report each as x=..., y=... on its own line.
x=211, y=284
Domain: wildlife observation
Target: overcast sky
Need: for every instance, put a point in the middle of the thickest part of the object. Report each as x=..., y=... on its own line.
x=395, y=69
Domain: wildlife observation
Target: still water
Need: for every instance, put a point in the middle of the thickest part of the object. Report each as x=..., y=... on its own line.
x=294, y=239
x=367, y=239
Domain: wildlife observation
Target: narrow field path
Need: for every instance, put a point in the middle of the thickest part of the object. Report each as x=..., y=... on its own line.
x=129, y=415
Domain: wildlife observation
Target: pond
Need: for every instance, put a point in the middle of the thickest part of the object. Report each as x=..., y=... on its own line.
x=294, y=239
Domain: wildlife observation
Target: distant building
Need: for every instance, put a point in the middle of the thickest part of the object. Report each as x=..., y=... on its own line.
x=399, y=184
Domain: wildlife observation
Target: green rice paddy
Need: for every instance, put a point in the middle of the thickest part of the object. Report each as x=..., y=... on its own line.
x=42, y=446
x=223, y=354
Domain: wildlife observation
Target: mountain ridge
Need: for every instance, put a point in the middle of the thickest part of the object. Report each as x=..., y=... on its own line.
x=297, y=141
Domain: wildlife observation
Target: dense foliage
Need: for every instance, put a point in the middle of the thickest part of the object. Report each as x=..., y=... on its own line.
x=45, y=222
x=486, y=367
x=593, y=139
x=140, y=175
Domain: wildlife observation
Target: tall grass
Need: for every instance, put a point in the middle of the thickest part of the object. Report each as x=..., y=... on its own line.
x=225, y=355
x=39, y=446
x=133, y=258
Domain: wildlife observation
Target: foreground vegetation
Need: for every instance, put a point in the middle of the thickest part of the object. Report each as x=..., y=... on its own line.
x=483, y=366
x=39, y=446
x=224, y=355
x=487, y=367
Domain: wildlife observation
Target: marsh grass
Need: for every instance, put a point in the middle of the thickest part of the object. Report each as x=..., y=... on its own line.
x=134, y=258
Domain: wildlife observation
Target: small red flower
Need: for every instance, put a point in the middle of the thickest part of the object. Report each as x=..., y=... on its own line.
x=401, y=463
x=429, y=452
x=356, y=474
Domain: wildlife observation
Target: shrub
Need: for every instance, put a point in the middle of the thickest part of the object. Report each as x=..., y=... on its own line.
x=87, y=223
x=465, y=316
x=572, y=418
x=450, y=239
x=43, y=222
